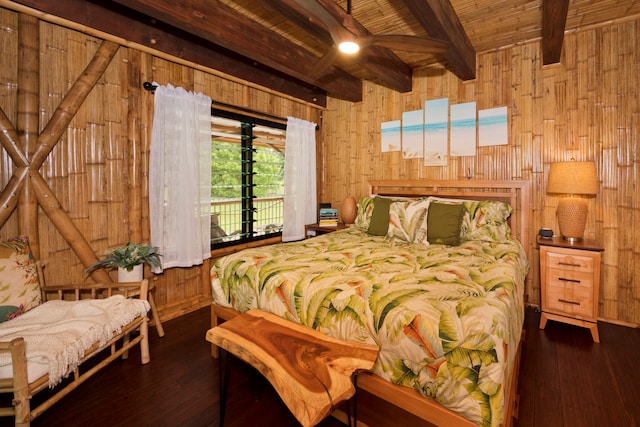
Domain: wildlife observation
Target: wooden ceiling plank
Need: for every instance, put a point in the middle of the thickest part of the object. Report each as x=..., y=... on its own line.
x=440, y=21
x=387, y=68
x=554, y=20
x=217, y=23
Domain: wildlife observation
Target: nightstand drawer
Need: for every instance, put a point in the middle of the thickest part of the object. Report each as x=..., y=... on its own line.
x=568, y=277
x=569, y=262
x=571, y=301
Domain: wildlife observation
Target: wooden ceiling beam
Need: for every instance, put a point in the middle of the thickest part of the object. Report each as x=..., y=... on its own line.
x=111, y=18
x=385, y=67
x=554, y=20
x=218, y=23
x=440, y=21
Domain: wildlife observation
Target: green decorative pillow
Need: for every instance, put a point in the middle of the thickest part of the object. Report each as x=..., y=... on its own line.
x=19, y=285
x=380, y=217
x=408, y=221
x=487, y=221
x=443, y=223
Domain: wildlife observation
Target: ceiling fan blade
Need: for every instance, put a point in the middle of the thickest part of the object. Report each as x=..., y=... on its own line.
x=324, y=63
x=321, y=14
x=406, y=43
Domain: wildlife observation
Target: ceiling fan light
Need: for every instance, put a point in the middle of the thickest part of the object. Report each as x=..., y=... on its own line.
x=349, y=47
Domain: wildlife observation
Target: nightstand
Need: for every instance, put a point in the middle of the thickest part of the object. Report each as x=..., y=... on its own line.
x=570, y=282
x=321, y=230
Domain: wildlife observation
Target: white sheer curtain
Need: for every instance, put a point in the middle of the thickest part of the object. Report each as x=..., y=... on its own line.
x=180, y=176
x=299, y=178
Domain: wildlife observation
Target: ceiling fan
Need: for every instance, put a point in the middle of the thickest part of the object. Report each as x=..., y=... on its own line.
x=348, y=39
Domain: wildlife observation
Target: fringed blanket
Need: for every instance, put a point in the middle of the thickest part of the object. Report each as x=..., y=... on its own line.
x=57, y=333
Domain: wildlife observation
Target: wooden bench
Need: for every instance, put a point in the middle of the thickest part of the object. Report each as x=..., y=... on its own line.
x=119, y=344
x=310, y=371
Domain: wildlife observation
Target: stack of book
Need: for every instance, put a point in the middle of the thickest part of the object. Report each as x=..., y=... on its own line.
x=328, y=217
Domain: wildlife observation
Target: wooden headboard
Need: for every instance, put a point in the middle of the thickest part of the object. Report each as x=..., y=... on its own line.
x=514, y=192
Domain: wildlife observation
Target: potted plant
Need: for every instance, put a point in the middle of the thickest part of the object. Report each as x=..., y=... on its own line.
x=129, y=259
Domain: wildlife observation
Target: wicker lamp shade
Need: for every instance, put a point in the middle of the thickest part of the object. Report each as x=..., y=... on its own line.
x=572, y=178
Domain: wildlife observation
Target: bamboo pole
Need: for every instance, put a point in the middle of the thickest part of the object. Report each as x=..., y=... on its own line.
x=27, y=123
x=63, y=223
x=9, y=197
x=134, y=146
x=9, y=140
x=72, y=101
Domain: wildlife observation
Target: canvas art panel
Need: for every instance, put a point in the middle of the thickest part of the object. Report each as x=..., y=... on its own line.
x=413, y=134
x=493, y=127
x=463, y=129
x=436, y=132
x=390, y=136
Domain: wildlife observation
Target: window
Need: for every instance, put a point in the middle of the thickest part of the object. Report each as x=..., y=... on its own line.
x=247, y=178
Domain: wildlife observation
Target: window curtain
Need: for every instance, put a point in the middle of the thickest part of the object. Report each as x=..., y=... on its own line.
x=299, y=178
x=180, y=176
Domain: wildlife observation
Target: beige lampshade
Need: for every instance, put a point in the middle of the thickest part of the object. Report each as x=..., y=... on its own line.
x=573, y=178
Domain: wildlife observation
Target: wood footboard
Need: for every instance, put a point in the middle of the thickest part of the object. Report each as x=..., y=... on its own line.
x=119, y=346
x=399, y=397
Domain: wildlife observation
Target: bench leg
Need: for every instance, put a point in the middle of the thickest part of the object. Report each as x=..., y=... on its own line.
x=145, y=356
x=224, y=371
x=355, y=400
x=156, y=317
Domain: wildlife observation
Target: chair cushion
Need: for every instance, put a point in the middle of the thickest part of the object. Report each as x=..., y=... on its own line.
x=19, y=287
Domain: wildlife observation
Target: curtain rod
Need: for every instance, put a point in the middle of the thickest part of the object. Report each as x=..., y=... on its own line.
x=151, y=88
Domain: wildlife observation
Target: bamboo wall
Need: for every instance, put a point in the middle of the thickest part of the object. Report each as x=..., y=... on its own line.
x=98, y=168
x=587, y=108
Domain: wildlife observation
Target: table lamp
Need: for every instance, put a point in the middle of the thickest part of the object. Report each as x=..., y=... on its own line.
x=573, y=179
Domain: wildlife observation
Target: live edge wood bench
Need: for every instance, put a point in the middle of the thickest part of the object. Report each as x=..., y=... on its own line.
x=310, y=371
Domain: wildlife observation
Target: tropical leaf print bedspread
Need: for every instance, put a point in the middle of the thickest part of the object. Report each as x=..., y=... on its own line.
x=447, y=320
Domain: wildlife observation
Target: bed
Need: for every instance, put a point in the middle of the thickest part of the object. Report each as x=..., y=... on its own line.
x=432, y=272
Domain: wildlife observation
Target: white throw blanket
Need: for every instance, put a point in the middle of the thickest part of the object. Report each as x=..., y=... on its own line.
x=57, y=333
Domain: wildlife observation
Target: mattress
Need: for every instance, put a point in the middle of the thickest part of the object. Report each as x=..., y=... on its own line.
x=447, y=319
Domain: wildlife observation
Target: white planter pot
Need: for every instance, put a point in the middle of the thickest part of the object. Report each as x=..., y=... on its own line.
x=134, y=275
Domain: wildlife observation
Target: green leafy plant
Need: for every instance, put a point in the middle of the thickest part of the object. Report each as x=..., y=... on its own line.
x=128, y=256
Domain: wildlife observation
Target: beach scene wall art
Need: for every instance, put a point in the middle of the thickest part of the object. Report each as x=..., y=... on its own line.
x=492, y=127
x=463, y=129
x=413, y=134
x=391, y=137
x=436, y=132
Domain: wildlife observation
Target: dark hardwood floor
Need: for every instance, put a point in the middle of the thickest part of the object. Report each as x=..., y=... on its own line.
x=565, y=380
